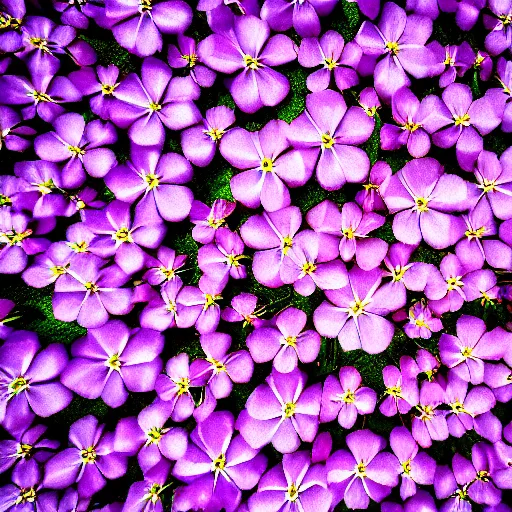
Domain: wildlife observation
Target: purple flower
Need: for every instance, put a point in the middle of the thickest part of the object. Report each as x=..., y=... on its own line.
x=327, y=132
x=117, y=235
x=164, y=267
x=484, y=65
x=401, y=40
x=363, y=473
x=369, y=199
x=272, y=234
x=335, y=58
x=501, y=97
x=416, y=121
x=111, y=361
x=467, y=352
x=352, y=225
x=28, y=380
x=12, y=12
x=184, y=55
x=246, y=46
x=311, y=262
x=138, y=25
x=41, y=95
x=281, y=411
x=155, y=99
x=498, y=253
x=499, y=378
x=401, y=390
x=6, y=306
x=267, y=162
x=453, y=61
x=465, y=122
x=346, y=398
x=217, y=466
x=417, y=467
x=208, y=220
x=89, y=462
x=15, y=136
x=27, y=451
x=286, y=343
x=89, y=291
x=421, y=322
x=294, y=484
x=147, y=436
x=224, y=258
x=355, y=313
x=243, y=307
x=77, y=13
x=99, y=84
x=174, y=387
x=500, y=36
x=466, y=11
x=446, y=486
x=369, y=101
x=79, y=147
x=282, y=15
x=159, y=179
x=422, y=198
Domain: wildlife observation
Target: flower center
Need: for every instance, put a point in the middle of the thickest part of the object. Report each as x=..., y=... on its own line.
x=454, y=282
x=356, y=308
x=395, y=391
x=122, y=235
x=168, y=273
x=398, y=273
x=26, y=496
x=421, y=204
x=182, y=385
x=292, y=493
x=219, y=463
x=215, y=133
x=215, y=223
x=427, y=413
x=108, y=89
x=488, y=186
x=152, y=181
x=7, y=22
x=330, y=63
x=40, y=44
x=13, y=238
x=88, y=455
x=466, y=352
x=462, y=120
x=411, y=126
x=209, y=300
x=40, y=96
x=153, y=435
x=392, y=47
x=308, y=267
x=113, y=362
x=78, y=246
x=475, y=233
x=349, y=397
x=370, y=186
x=218, y=367
x=57, y=271
x=17, y=386
x=233, y=260
x=449, y=61
x=5, y=201
x=155, y=107
x=91, y=287
x=288, y=409
x=46, y=187
x=348, y=233
x=406, y=466
x=506, y=19
x=251, y=62
x=24, y=451
x=361, y=470
x=286, y=244
x=483, y=475
x=191, y=59
x=145, y=6
x=291, y=341
x=153, y=494
x=457, y=407
x=421, y=323
x=266, y=165
x=76, y=150
x=327, y=141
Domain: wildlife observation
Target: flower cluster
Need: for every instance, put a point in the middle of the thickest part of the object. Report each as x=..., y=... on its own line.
x=301, y=339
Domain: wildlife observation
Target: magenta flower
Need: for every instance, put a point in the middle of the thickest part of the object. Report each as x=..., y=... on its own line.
x=369, y=199
x=335, y=58
x=89, y=462
x=286, y=343
x=138, y=26
x=146, y=104
x=465, y=122
x=281, y=411
x=346, y=398
x=328, y=132
x=157, y=180
x=244, y=308
x=417, y=467
x=467, y=352
x=355, y=313
x=272, y=234
x=500, y=37
x=217, y=466
x=89, y=291
x=421, y=322
x=415, y=119
x=208, y=220
x=311, y=262
x=268, y=164
x=165, y=267
x=352, y=225
x=453, y=61
x=147, y=436
x=79, y=146
x=117, y=235
x=247, y=47
x=363, y=473
x=401, y=391
x=199, y=143
x=174, y=385
x=29, y=380
x=422, y=198
x=111, y=361
x=295, y=484
x=401, y=41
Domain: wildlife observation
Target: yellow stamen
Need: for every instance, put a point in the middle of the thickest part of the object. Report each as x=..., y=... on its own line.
x=392, y=47
x=308, y=267
x=218, y=367
x=361, y=470
x=76, y=150
x=88, y=455
x=91, y=287
x=107, y=89
x=292, y=493
x=462, y=120
x=215, y=133
x=24, y=450
x=466, y=352
x=17, y=386
x=26, y=496
x=406, y=466
x=288, y=409
x=251, y=62
x=191, y=59
x=330, y=63
x=327, y=141
x=155, y=107
x=182, y=385
x=219, y=463
x=475, y=233
x=152, y=180
x=286, y=244
x=113, y=362
x=421, y=204
x=349, y=397
x=122, y=235
x=454, y=282
x=266, y=165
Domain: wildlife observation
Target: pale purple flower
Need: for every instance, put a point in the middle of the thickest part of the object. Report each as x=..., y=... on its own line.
x=165, y=267
x=500, y=37
x=13, y=134
x=453, y=61
x=501, y=97
x=208, y=220
x=369, y=199
x=243, y=308
x=401, y=390
x=499, y=378
x=421, y=322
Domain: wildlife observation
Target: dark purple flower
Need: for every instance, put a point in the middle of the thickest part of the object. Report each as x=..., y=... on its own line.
x=12, y=13
x=28, y=380
x=89, y=462
x=328, y=132
x=246, y=46
x=76, y=13
x=13, y=134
